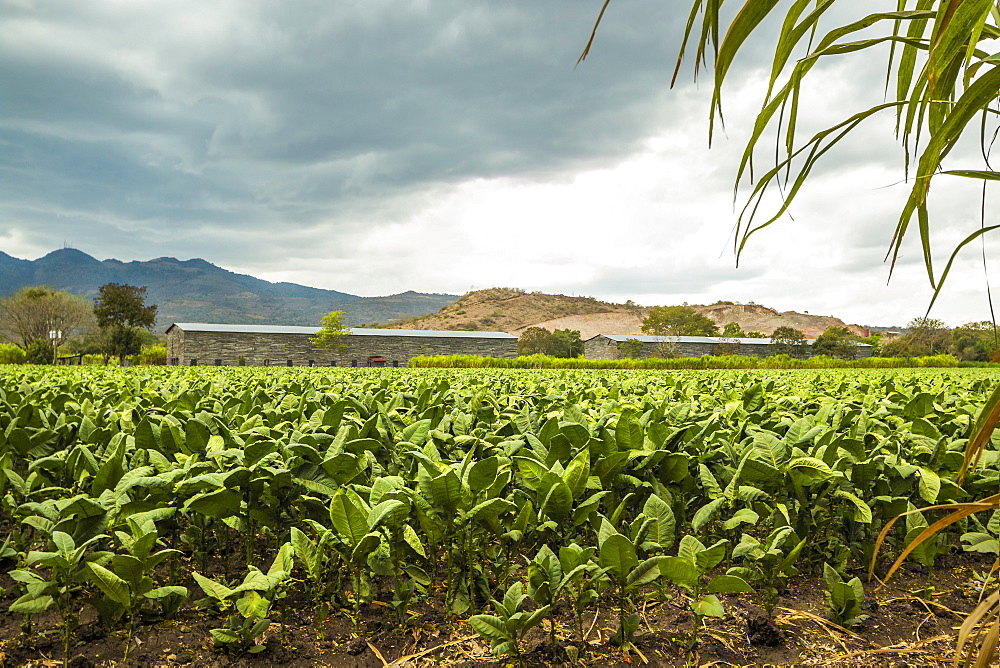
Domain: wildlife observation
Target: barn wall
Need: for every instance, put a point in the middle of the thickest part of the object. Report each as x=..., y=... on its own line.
x=260, y=349
x=602, y=348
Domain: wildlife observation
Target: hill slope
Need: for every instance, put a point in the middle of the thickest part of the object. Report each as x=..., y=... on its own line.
x=504, y=310
x=513, y=311
x=198, y=291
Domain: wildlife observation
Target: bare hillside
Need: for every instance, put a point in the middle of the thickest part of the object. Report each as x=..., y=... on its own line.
x=504, y=310
x=513, y=311
x=754, y=317
x=612, y=322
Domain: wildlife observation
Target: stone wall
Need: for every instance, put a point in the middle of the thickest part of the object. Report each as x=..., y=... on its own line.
x=603, y=348
x=259, y=349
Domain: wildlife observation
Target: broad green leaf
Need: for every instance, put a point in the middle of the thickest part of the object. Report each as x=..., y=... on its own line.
x=710, y=557
x=706, y=513
x=709, y=606
x=30, y=605
x=113, y=586
x=416, y=433
x=558, y=501
x=742, y=516
x=490, y=627
x=349, y=521
x=862, y=512
x=446, y=490
x=628, y=432
x=577, y=472
x=980, y=542
x=224, y=636
x=252, y=605
x=645, y=572
x=413, y=540
x=617, y=554
x=680, y=571
x=727, y=584
x=390, y=513
x=482, y=474
x=930, y=485
x=167, y=592
x=63, y=542
x=212, y=588
x=663, y=517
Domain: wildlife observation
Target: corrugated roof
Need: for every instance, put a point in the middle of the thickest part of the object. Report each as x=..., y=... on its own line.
x=645, y=338
x=243, y=329
x=431, y=333
x=355, y=331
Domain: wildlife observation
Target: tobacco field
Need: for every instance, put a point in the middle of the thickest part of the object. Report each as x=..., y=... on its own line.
x=467, y=516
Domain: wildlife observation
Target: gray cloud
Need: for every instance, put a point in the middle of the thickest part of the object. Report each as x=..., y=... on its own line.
x=303, y=139
x=264, y=114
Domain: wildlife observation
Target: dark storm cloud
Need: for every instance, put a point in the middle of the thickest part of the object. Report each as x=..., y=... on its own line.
x=173, y=117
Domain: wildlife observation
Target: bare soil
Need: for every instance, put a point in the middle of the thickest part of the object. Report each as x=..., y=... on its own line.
x=902, y=630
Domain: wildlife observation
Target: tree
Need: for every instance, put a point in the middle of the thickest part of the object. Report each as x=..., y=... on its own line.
x=929, y=336
x=631, y=349
x=566, y=343
x=836, y=342
x=535, y=341
x=787, y=341
x=733, y=330
x=331, y=336
x=540, y=341
x=121, y=313
x=975, y=341
x=678, y=321
x=43, y=314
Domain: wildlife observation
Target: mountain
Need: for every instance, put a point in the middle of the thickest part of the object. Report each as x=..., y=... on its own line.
x=514, y=311
x=199, y=291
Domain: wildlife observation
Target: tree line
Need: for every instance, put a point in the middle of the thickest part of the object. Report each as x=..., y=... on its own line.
x=40, y=323
x=922, y=337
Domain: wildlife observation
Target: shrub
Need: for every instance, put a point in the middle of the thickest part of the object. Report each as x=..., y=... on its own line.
x=737, y=362
x=153, y=356
x=39, y=352
x=11, y=354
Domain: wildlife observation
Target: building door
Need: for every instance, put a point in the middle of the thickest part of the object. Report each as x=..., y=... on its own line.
x=375, y=360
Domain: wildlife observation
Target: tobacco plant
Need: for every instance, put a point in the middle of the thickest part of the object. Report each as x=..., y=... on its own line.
x=247, y=604
x=770, y=564
x=505, y=629
x=627, y=574
x=689, y=570
x=68, y=571
x=843, y=599
x=129, y=584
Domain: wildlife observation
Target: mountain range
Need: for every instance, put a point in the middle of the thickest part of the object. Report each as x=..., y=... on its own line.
x=199, y=291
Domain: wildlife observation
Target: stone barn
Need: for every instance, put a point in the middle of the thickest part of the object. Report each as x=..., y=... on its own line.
x=200, y=344
x=605, y=346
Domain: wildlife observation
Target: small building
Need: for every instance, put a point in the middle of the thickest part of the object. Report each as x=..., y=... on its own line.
x=202, y=344
x=606, y=346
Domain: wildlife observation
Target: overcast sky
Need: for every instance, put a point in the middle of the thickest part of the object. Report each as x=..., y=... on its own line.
x=378, y=146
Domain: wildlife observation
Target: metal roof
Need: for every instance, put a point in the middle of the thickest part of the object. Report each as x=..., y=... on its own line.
x=355, y=331
x=242, y=329
x=431, y=333
x=645, y=338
